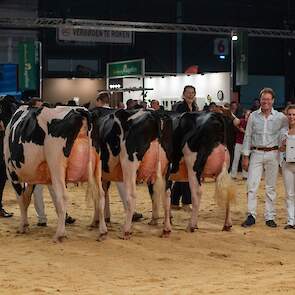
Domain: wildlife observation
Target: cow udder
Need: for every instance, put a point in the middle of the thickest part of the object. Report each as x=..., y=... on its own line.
x=213, y=166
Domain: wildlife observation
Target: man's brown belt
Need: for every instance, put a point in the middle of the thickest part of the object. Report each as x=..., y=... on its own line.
x=265, y=149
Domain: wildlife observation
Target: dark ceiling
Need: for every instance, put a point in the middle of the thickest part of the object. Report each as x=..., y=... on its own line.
x=251, y=13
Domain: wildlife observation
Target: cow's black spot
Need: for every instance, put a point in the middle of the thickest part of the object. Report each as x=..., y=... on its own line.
x=16, y=116
x=25, y=131
x=139, y=133
x=18, y=188
x=105, y=133
x=68, y=127
x=8, y=105
x=13, y=176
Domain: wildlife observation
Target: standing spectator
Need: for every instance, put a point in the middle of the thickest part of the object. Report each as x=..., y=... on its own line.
x=255, y=105
x=236, y=109
x=130, y=104
x=212, y=106
x=155, y=104
x=262, y=140
x=120, y=105
x=143, y=104
x=288, y=168
x=239, y=144
x=3, y=177
x=103, y=100
x=182, y=189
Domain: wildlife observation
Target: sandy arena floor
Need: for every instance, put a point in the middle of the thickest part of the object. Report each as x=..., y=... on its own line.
x=259, y=260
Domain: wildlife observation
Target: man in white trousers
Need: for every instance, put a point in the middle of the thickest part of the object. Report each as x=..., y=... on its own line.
x=262, y=141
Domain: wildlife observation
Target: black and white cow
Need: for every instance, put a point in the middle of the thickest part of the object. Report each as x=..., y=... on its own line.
x=38, y=148
x=202, y=145
x=127, y=143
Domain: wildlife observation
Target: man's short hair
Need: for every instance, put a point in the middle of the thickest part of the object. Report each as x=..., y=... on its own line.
x=71, y=103
x=33, y=101
x=267, y=90
x=104, y=97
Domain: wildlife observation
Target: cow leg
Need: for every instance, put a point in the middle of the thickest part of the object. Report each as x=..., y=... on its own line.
x=228, y=222
x=155, y=201
x=59, y=200
x=196, y=191
x=166, y=200
x=107, y=212
x=129, y=169
x=95, y=218
x=100, y=205
x=24, y=201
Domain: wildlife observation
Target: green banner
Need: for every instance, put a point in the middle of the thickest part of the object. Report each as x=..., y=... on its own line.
x=128, y=68
x=28, y=71
x=242, y=59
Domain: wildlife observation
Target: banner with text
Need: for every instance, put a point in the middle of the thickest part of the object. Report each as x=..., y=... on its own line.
x=127, y=68
x=28, y=55
x=94, y=35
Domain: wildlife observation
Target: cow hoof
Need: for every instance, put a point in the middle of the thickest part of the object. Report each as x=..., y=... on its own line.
x=165, y=233
x=191, y=229
x=154, y=221
x=227, y=228
x=23, y=229
x=94, y=224
x=126, y=235
x=59, y=239
x=102, y=237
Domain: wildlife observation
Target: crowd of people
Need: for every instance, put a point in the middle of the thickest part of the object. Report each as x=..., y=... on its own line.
x=262, y=135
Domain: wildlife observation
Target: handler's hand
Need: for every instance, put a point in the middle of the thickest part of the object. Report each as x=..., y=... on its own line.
x=282, y=148
x=245, y=163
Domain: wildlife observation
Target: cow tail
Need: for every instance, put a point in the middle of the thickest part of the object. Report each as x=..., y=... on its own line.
x=225, y=189
x=92, y=192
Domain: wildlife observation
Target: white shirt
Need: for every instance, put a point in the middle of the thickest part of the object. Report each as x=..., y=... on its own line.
x=262, y=131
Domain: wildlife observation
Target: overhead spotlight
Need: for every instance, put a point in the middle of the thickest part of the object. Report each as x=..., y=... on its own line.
x=234, y=36
x=221, y=56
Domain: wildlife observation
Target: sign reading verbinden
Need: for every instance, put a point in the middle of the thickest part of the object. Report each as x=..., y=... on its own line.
x=94, y=35
x=127, y=68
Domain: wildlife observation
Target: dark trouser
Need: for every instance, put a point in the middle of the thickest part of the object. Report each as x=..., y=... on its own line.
x=3, y=179
x=181, y=189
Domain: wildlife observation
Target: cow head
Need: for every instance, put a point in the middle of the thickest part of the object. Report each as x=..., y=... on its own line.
x=8, y=105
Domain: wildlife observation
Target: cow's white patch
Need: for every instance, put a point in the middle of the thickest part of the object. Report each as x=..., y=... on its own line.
x=203, y=119
x=136, y=115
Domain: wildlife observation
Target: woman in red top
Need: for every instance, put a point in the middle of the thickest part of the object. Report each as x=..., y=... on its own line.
x=239, y=144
